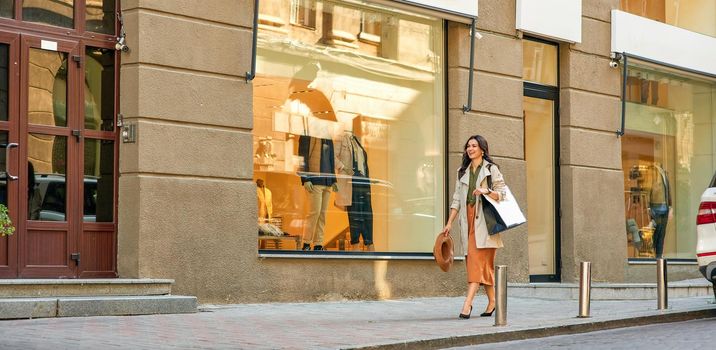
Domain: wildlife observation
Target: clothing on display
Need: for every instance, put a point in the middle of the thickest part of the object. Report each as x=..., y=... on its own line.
x=352, y=160
x=659, y=205
x=264, y=201
x=317, y=169
x=318, y=160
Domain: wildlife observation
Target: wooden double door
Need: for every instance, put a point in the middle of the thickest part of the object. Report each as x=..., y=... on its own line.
x=58, y=156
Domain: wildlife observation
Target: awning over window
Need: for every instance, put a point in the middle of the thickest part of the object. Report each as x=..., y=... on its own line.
x=454, y=10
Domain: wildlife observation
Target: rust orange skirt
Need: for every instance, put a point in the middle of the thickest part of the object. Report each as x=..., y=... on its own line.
x=480, y=261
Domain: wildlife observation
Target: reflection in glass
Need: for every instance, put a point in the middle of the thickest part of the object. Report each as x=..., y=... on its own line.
x=4, y=81
x=668, y=158
x=539, y=156
x=47, y=88
x=100, y=16
x=48, y=156
x=57, y=13
x=348, y=148
x=99, y=89
x=7, y=8
x=539, y=62
x=98, y=195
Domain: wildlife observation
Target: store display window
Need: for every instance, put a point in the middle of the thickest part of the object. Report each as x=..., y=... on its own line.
x=668, y=158
x=348, y=132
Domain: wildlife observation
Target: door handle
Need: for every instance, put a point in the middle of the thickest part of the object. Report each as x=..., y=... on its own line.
x=7, y=160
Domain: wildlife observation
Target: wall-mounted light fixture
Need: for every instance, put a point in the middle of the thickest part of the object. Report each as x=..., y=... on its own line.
x=615, y=58
x=121, y=45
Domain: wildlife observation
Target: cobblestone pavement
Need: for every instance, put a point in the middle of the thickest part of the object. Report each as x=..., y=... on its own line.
x=695, y=334
x=326, y=325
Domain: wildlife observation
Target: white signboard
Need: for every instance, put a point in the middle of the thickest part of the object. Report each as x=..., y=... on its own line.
x=664, y=43
x=556, y=19
x=465, y=8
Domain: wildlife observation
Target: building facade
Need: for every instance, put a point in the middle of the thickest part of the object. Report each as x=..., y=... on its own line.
x=325, y=172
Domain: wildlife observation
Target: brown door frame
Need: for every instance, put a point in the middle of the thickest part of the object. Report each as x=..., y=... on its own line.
x=12, y=40
x=68, y=268
x=12, y=32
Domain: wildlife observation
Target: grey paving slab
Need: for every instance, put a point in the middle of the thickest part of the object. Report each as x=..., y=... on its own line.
x=406, y=323
x=125, y=305
x=28, y=307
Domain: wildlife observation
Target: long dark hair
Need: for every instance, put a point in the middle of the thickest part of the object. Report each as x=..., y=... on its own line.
x=466, y=159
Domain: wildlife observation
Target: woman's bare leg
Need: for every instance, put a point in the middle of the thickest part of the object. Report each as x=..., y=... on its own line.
x=471, y=291
x=490, y=291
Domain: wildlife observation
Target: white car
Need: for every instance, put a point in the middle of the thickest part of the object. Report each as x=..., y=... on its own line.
x=706, y=234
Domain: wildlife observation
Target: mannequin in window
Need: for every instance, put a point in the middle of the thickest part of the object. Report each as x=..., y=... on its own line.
x=354, y=188
x=315, y=146
x=264, y=201
x=659, y=207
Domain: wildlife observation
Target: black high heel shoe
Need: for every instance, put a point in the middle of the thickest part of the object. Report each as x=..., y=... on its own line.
x=487, y=314
x=466, y=316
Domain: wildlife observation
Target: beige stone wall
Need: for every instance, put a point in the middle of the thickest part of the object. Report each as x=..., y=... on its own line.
x=590, y=152
x=187, y=202
x=496, y=110
x=186, y=199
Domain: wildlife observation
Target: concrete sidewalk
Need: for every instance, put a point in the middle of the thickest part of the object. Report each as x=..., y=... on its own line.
x=395, y=324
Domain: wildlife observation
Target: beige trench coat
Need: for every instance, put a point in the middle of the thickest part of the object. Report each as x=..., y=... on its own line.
x=459, y=202
x=344, y=169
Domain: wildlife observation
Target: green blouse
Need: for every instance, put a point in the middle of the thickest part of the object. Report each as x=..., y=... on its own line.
x=472, y=185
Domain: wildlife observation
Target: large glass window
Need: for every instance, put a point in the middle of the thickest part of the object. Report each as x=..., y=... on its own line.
x=695, y=15
x=349, y=136
x=668, y=157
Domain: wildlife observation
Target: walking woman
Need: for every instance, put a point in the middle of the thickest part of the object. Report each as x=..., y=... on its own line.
x=472, y=183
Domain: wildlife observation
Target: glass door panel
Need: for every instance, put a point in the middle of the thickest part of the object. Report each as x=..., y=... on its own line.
x=98, y=191
x=4, y=82
x=47, y=90
x=100, y=15
x=47, y=174
x=99, y=89
x=539, y=154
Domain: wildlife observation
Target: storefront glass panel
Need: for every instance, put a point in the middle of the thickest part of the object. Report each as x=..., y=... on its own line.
x=349, y=129
x=695, y=15
x=668, y=158
x=539, y=62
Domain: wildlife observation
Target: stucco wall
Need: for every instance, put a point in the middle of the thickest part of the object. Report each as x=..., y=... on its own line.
x=186, y=196
x=187, y=202
x=590, y=152
x=496, y=111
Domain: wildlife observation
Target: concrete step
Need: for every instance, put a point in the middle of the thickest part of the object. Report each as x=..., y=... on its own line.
x=610, y=291
x=11, y=288
x=14, y=308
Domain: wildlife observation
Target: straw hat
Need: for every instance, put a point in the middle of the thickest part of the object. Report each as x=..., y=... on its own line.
x=443, y=252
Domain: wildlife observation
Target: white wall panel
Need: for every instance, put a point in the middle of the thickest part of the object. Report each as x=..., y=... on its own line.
x=664, y=43
x=556, y=19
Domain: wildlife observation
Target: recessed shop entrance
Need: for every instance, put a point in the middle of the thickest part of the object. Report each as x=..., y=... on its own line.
x=58, y=156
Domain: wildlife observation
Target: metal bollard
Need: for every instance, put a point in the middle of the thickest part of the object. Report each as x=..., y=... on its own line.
x=501, y=295
x=661, y=285
x=585, y=288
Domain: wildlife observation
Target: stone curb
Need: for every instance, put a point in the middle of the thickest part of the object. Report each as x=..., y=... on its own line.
x=541, y=332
